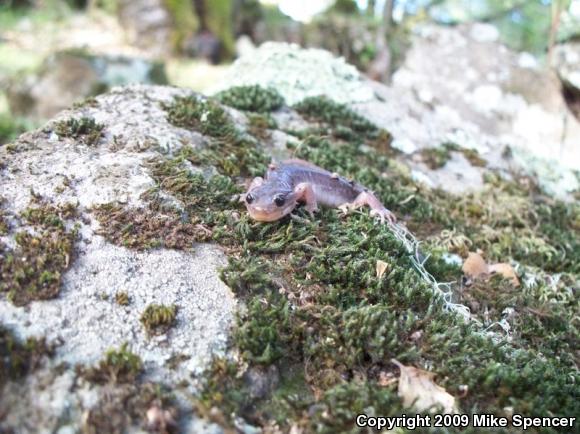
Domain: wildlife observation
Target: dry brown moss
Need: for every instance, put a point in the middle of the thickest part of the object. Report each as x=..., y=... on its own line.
x=33, y=269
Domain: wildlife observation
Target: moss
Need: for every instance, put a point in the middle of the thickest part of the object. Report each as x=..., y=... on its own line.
x=4, y=226
x=252, y=98
x=125, y=401
x=344, y=121
x=142, y=229
x=85, y=130
x=33, y=269
x=17, y=358
x=122, y=298
x=313, y=301
x=126, y=407
x=229, y=150
x=203, y=115
x=437, y=157
x=118, y=366
x=158, y=319
x=259, y=125
x=90, y=101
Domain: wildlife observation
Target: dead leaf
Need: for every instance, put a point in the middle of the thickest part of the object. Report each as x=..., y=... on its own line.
x=418, y=390
x=474, y=266
x=507, y=271
x=381, y=267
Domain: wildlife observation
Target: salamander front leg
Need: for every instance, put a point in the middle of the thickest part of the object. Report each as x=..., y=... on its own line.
x=377, y=208
x=304, y=193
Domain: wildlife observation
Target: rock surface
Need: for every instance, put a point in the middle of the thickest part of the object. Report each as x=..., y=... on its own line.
x=85, y=321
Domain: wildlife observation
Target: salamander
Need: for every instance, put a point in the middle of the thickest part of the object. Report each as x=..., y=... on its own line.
x=295, y=181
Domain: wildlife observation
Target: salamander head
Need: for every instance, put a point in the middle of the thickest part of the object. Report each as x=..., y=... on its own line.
x=268, y=203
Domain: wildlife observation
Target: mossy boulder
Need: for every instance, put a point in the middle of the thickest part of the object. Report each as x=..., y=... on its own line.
x=162, y=292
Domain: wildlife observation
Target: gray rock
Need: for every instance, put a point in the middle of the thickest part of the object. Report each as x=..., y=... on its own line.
x=85, y=320
x=456, y=85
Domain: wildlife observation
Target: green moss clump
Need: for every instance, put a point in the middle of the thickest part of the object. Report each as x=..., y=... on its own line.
x=229, y=150
x=203, y=115
x=33, y=270
x=158, y=318
x=314, y=301
x=127, y=404
x=260, y=124
x=437, y=157
x=266, y=336
x=86, y=130
x=118, y=366
x=252, y=98
x=17, y=358
x=143, y=229
x=339, y=117
x=4, y=227
x=315, y=305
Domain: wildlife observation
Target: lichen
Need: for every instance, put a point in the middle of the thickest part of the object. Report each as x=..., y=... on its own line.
x=158, y=318
x=85, y=130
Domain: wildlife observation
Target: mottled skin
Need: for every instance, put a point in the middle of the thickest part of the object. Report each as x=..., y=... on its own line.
x=296, y=181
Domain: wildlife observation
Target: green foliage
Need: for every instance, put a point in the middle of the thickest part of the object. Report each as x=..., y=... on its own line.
x=184, y=18
x=252, y=98
x=219, y=20
x=86, y=130
x=158, y=318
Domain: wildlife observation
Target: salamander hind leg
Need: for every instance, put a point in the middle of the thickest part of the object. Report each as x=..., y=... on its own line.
x=305, y=193
x=377, y=208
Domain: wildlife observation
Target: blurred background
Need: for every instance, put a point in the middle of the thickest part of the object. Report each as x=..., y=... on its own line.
x=54, y=53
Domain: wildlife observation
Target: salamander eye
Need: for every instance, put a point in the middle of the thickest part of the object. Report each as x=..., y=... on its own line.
x=249, y=198
x=279, y=200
